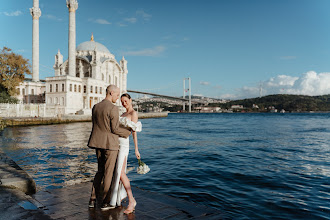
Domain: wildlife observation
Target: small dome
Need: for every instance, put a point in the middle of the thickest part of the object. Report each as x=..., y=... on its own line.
x=92, y=45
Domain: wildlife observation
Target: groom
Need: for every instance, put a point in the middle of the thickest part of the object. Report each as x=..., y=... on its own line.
x=104, y=139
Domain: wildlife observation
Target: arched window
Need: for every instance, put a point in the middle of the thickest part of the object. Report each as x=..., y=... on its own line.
x=56, y=87
x=62, y=101
x=96, y=89
x=75, y=88
x=63, y=87
x=50, y=88
x=79, y=90
x=85, y=89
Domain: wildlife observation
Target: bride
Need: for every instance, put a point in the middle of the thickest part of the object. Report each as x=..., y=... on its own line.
x=121, y=189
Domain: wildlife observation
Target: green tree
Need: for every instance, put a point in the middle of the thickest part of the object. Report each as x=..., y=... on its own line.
x=12, y=69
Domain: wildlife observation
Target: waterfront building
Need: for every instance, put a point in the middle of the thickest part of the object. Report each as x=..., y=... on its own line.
x=78, y=82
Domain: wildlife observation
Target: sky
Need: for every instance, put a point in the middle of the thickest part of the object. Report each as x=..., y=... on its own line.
x=230, y=49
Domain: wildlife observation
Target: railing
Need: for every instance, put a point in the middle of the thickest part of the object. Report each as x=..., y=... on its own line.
x=30, y=110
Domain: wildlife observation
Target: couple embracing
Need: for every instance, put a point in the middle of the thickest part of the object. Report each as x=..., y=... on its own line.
x=110, y=139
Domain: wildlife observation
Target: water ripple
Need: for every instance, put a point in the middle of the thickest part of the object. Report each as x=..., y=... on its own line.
x=249, y=166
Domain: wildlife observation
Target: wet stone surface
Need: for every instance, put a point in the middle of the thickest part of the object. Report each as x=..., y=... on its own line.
x=72, y=203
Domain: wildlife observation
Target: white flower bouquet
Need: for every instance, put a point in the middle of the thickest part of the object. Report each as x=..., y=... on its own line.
x=143, y=168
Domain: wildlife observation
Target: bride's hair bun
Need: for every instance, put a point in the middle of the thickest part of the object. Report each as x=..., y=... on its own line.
x=126, y=95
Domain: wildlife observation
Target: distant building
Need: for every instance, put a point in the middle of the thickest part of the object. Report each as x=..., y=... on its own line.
x=207, y=109
x=237, y=107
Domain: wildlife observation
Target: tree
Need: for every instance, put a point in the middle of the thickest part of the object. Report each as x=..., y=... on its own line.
x=12, y=69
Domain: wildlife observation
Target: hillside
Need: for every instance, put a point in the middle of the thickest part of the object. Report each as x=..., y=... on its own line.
x=300, y=103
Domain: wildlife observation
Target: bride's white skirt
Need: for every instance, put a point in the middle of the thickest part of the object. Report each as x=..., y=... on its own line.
x=118, y=192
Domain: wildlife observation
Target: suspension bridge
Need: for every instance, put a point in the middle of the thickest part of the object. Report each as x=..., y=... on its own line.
x=184, y=100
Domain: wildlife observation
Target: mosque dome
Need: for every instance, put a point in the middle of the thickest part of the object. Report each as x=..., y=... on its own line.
x=92, y=45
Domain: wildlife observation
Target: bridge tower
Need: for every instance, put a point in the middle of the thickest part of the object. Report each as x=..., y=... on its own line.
x=184, y=92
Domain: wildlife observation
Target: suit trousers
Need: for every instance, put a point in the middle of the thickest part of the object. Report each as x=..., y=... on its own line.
x=106, y=161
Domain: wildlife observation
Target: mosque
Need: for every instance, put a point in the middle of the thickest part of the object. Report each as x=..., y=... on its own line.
x=80, y=81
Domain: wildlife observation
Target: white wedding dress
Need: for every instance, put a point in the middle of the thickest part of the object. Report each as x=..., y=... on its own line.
x=118, y=192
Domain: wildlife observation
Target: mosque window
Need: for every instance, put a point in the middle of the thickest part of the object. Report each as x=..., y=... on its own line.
x=32, y=91
x=100, y=90
x=63, y=87
x=70, y=87
x=91, y=89
x=96, y=89
x=62, y=100
x=75, y=88
x=85, y=89
x=79, y=90
x=56, y=87
x=50, y=88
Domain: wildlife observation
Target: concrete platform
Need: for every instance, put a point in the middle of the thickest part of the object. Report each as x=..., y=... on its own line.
x=12, y=176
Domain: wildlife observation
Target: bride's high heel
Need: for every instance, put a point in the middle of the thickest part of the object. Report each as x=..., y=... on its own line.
x=130, y=211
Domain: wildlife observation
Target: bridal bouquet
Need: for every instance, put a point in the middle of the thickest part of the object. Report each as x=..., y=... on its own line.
x=143, y=168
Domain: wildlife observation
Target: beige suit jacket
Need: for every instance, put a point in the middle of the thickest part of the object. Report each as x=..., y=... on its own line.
x=106, y=129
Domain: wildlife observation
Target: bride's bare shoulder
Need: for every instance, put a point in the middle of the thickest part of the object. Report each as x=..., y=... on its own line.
x=134, y=116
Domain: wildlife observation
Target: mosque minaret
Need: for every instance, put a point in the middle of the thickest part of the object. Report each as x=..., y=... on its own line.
x=80, y=81
x=72, y=6
x=36, y=13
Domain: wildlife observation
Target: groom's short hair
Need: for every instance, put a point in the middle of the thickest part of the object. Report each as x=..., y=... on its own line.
x=111, y=88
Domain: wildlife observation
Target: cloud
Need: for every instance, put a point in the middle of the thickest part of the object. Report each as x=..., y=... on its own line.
x=144, y=15
x=102, y=21
x=99, y=21
x=310, y=83
x=20, y=51
x=15, y=13
x=168, y=37
x=122, y=24
x=204, y=83
x=131, y=20
x=218, y=87
x=53, y=17
x=147, y=52
x=288, y=58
